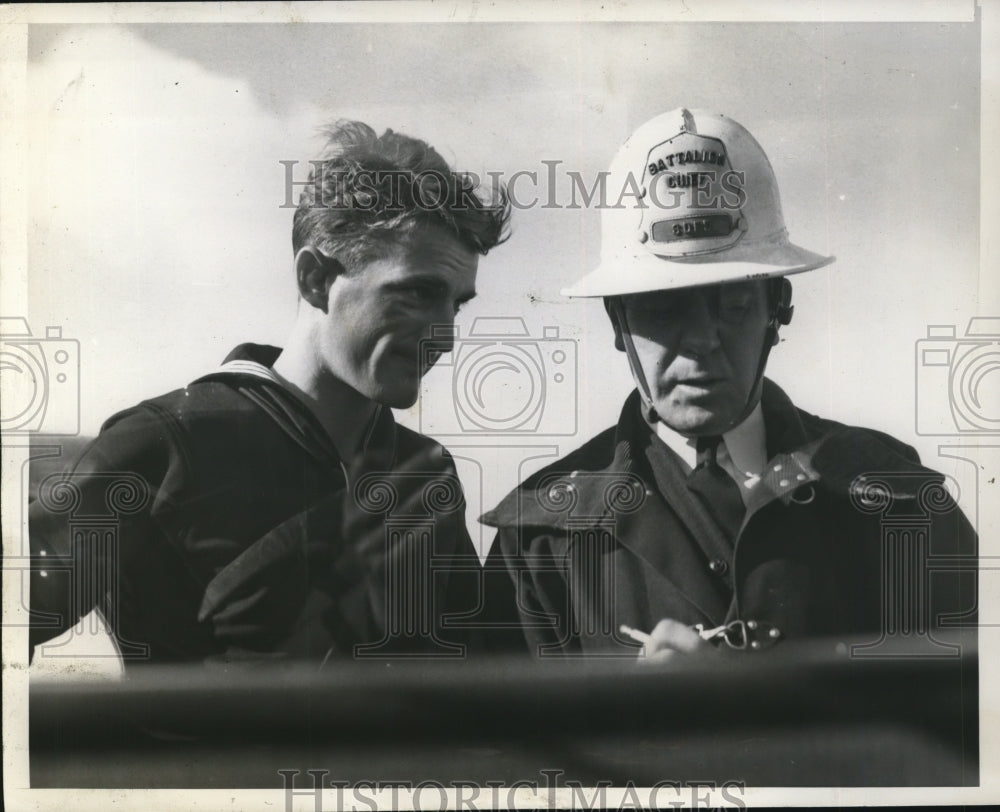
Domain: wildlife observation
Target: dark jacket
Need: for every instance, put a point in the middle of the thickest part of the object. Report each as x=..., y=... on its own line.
x=842, y=519
x=218, y=522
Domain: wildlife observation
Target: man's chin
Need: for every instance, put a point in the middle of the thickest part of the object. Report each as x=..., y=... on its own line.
x=397, y=381
x=397, y=397
x=694, y=421
x=396, y=386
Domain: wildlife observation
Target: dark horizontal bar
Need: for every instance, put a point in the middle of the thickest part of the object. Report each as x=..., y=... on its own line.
x=748, y=713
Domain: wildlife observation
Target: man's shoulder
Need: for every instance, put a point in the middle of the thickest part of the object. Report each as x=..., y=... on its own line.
x=848, y=458
x=145, y=438
x=202, y=409
x=198, y=403
x=593, y=456
x=783, y=419
x=205, y=418
x=538, y=499
x=848, y=439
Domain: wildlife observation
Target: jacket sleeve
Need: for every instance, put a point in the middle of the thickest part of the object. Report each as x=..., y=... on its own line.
x=919, y=550
x=86, y=521
x=952, y=553
x=953, y=564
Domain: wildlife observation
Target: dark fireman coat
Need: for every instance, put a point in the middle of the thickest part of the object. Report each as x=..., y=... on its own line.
x=845, y=536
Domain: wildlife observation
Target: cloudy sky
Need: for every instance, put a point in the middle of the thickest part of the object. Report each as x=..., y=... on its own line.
x=158, y=240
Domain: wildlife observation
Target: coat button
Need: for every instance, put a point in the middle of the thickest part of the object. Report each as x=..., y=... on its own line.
x=718, y=566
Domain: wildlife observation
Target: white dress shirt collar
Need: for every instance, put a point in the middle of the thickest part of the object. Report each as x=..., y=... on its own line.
x=742, y=453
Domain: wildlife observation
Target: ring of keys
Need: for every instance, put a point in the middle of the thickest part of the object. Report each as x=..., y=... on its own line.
x=741, y=634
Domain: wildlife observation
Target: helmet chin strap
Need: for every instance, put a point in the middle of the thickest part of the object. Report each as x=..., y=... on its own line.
x=780, y=296
x=617, y=312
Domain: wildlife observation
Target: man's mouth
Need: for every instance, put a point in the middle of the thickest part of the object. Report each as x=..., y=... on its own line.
x=419, y=361
x=700, y=381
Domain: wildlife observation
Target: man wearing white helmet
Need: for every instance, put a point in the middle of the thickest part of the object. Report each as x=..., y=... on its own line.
x=715, y=514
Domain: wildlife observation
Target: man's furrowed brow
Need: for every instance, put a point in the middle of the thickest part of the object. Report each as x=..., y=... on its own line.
x=408, y=280
x=438, y=281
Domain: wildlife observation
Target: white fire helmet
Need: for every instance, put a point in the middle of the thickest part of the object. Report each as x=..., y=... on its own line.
x=691, y=199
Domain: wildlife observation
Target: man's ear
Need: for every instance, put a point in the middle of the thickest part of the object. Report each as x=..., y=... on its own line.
x=314, y=275
x=613, y=307
x=781, y=305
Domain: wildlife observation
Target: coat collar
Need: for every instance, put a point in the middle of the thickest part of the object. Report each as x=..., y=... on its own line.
x=586, y=484
x=603, y=479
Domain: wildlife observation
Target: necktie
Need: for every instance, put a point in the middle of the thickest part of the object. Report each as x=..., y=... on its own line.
x=716, y=489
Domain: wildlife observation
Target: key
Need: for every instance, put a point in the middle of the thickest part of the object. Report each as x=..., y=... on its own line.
x=710, y=634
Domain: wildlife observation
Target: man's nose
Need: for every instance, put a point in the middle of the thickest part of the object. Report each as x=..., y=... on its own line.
x=700, y=327
x=444, y=326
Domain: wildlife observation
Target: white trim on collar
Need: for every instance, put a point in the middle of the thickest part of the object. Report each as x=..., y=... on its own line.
x=244, y=366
